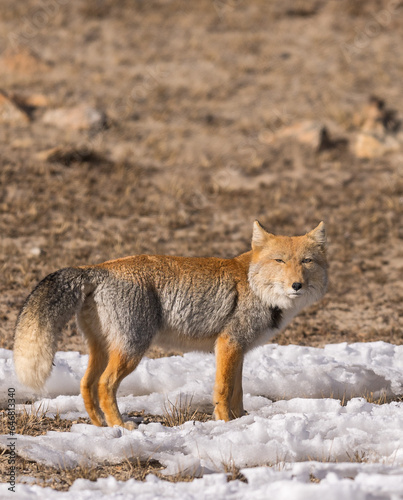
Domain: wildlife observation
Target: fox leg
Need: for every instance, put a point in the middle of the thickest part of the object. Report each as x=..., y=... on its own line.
x=228, y=382
x=236, y=403
x=98, y=359
x=119, y=366
x=97, y=362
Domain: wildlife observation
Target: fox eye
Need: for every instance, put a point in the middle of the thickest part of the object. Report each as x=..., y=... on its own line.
x=280, y=261
x=306, y=261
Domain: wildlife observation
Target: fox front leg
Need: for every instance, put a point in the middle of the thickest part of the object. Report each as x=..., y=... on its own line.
x=236, y=403
x=228, y=383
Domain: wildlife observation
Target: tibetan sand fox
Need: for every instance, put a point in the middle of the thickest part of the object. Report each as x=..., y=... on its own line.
x=126, y=305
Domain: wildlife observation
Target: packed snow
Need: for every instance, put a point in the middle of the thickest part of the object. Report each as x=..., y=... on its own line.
x=307, y=418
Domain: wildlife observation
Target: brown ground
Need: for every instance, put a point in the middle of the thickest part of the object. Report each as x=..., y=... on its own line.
x=187, y=90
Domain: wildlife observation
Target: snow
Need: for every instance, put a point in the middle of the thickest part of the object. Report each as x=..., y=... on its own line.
x=296, y=428
x=292, y=483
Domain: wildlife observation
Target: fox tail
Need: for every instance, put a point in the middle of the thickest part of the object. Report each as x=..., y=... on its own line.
x=43, y=315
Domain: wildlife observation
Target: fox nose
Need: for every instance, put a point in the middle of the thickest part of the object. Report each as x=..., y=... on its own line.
x=296, y=286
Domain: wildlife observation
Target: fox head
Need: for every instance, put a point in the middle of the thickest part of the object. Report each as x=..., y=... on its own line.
x=288, y=272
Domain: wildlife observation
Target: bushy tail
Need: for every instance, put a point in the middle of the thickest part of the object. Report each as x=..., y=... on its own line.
x=45, y=312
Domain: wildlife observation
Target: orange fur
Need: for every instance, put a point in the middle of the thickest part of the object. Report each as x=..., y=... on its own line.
x=89, y=383
x=228, y=389
x=119, y=366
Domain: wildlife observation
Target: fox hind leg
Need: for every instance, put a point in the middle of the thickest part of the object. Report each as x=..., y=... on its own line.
x=98, y=359
x=119, y=366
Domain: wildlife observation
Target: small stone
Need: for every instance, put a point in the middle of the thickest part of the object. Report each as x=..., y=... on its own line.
x=378, y=130
x=10, y=112
x=22, y=143
x=230, y=180
x=67, y=155
x=22, y=61
x=370, y=146
x=52, y=154
x=35, y=251
x=30, y=100
x=308, y=132
x=376, y=118
x=76, y=118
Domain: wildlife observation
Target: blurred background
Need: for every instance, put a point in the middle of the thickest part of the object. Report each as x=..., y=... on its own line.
x=168, y=126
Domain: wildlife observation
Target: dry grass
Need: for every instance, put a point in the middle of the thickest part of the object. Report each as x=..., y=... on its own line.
x=181, y=411
x=233, y=472
x=36, y=423
x=61, y=479
x=358, y=457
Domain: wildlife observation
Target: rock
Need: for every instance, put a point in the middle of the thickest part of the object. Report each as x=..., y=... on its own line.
x=369, y=146
x=35, y=251
x=376, y=118
x=77, y=118
x=68, y=155
x=28, y=103
x=231, y=180
x=10, y=112
x=30, y=100
x=57, y=154
x=309, y=132
x=378, y=130
x=22, y=61
x=22, y=142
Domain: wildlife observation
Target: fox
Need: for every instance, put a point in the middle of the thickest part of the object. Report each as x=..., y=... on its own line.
x=126, y=305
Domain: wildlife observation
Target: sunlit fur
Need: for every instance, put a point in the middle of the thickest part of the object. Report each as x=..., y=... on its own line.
x=126, y=305
x=303, y=260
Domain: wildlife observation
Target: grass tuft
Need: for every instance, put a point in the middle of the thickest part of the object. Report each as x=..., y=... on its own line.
x=233, y=472
x=181, y=411
x=36, y=423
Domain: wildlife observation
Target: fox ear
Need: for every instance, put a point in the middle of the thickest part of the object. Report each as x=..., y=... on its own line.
x=319, y=234
x=260, y=236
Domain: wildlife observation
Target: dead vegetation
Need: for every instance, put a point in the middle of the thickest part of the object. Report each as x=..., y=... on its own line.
x=175, y=162
x=181, y=411
x=61, y=479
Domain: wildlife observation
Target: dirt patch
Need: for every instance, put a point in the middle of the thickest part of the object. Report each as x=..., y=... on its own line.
x=177, y=166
